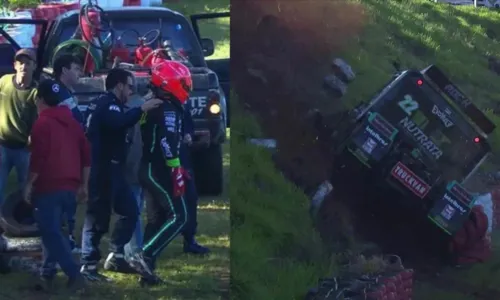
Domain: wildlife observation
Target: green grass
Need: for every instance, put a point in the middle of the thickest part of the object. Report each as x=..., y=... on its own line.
x=189, y=277
x=419, y=33
x=275, y=252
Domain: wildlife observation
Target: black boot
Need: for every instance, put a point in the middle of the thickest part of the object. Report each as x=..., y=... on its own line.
x=192, y=247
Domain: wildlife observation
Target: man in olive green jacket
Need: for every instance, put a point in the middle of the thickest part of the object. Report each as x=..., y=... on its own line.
x=17, y=115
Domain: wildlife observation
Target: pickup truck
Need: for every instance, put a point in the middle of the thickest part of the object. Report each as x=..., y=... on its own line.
x=210, y=77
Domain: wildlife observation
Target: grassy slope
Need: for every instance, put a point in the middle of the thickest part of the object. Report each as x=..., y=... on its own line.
x=190, y=277
x=419, y=33
x=275, y=253
x=269, y=216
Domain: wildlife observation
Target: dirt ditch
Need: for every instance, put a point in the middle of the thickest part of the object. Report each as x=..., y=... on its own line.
x=283, y=50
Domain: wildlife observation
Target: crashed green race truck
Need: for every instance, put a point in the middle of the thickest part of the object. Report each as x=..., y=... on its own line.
x=208, y=102
x=420, y=139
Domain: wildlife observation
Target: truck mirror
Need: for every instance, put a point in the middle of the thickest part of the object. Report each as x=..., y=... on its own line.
x=208, y=46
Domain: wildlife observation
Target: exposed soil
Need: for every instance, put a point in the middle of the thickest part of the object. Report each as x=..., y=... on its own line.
x=283, y=50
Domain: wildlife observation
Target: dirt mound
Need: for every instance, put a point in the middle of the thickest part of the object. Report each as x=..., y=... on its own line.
x=283, y=50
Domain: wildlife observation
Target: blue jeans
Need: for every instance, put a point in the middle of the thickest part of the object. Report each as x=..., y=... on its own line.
x=108, y=191
x=136, y=241
x=9, y=159
x=48, y=209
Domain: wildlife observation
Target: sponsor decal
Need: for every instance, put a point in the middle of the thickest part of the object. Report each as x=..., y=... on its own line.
x=369, y=145
x=114, y=108
x=376, y=136
x=421, y=138
x=443, y=116
x=453, y=202
x=384, y=127
x=166, y=147
x=448, y=212
x=456, y=95
x=410, y=180
x=170, y=119
x=462, y=195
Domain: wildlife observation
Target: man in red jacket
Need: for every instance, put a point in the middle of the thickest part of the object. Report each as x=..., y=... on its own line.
x=59, y=168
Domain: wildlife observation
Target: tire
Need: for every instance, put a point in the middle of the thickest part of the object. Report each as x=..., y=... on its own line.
x=20, y=245
x=209, y=170
x=13, y=211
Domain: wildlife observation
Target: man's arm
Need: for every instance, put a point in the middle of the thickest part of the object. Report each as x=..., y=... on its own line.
x=114, y=117
x=40, y=135
x=168, y=135
x=188, y=123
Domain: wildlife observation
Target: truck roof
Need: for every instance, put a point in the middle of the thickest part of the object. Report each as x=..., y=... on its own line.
x=138, y=11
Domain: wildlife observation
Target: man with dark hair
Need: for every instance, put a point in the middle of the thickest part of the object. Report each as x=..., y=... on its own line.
x=107, y=127
x=67, y=71
x=17, y=115
x=59, y=167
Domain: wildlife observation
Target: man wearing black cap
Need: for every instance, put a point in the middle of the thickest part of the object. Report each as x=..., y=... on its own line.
x=17, y=114
x=59, y=168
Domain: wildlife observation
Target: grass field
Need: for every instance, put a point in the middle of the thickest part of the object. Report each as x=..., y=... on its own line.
x=189, y=277
x=275, y=253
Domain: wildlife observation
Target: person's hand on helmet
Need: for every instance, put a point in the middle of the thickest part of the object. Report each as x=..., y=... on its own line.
x=179, y=177
x=151, y=104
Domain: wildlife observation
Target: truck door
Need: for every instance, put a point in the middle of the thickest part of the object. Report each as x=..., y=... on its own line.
x=212, y=30
x=16, y=34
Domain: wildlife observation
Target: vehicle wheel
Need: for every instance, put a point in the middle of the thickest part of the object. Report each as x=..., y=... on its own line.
x=20, y=244
x=16, y=217
x=209, y=170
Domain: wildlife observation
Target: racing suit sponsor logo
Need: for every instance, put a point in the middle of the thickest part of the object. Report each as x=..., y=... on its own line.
x=443, y=116
x=166, y=147
x=114, y=108
x=170, y=119
x=410, y=180
x=376, y=136
x=421, y=138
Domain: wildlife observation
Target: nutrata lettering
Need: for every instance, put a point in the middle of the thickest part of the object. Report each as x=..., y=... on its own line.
x=421, y=138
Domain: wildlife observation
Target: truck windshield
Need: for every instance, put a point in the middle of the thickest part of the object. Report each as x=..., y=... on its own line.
x=438, y=129
x=180, y=35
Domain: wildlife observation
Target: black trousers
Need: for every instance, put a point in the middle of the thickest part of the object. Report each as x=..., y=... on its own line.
x=166, y=215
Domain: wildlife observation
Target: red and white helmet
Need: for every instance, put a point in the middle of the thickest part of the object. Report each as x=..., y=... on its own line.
x=173, y=78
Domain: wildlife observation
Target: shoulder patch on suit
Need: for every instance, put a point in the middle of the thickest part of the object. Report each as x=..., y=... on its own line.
x=114, y=108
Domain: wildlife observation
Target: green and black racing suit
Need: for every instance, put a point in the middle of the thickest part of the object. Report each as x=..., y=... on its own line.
x=162, y=132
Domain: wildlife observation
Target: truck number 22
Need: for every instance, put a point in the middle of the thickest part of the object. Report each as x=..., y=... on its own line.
x=408, y=105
